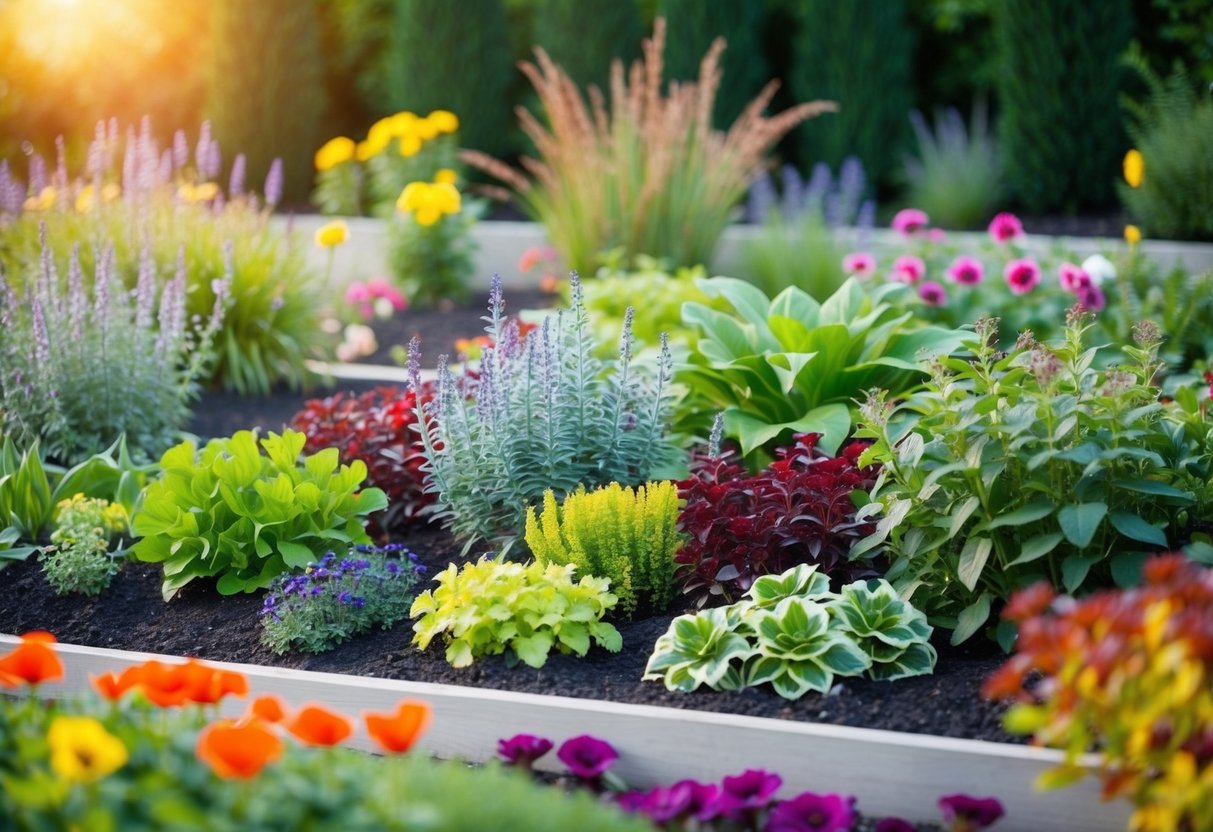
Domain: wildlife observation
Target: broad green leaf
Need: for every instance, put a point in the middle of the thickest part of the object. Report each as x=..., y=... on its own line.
x=1074, y=569
x=1153, y=488
x=971, y=619
x=1036, y=547
x=961, y=515
x=1126, y=568
x=1080, y=522
x=1134, y=528
x=1200, y=551
x=296, y=555
x=1023, y=515
x=973, y=560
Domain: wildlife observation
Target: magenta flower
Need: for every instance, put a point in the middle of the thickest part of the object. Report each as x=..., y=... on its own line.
x=523, y=749
x=968, y=271
x=1091, y=298
x=969, y=814
x=932, y=293
x=748, y=792
x=909, y=221
x=1072, y=277
x=380, y=288
x=859, y=263
x=810, y=812
x=684, y=799
x=358, y=292
x=895, y=825
x=1022, y=275
x=936, y=235
x=587, y=757
x=1005, y=227
x=909, y=269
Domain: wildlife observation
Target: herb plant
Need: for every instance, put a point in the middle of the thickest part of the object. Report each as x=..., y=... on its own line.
x=627, y=536
x=540, y=413
x=798, y=510
x=790, y=630
x=1026, y=466
x=793, y=365
x=334, y=600
x=493, y=607
x=78, y=559
x=228, y=511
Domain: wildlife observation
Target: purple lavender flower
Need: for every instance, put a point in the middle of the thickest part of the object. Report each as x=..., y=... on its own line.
x=968, y=814
x=181, y=150
x=273, y=183
x=522, y=750
x=810, y=812
x=895, y=825
x=235, y=185
x=37, y=174
x=587, y=757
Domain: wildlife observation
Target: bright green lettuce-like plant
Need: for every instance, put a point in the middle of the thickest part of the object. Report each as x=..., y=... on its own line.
x=793, y=365
x=542, y=412
x=1032, y=465
x=791, y=631
x=493, y=607
x=228, y=511
x=627, y=536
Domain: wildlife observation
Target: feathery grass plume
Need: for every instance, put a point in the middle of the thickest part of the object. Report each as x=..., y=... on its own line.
x=541, y=412
x=649, y=173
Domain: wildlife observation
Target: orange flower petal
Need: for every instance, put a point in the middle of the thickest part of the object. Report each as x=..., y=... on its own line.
x=31, y=662
x=317, y=725
x=396, y=732
x=237, y=750
x=268, y=707
x=112, y=686
x=164, y=685
x=40, y=635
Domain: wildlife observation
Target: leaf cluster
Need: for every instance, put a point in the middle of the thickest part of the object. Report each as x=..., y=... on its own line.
x=956, y=176
x=78, y=559
x=627, y=536
x=231, y=512
x=1031, y=465
x=790, y=630
x=334, y=600
x=492, y=607
x=435, y=262
x=793, y=365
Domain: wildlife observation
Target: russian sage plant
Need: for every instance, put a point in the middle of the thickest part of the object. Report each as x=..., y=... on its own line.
x=79, y=368
x=542, y=412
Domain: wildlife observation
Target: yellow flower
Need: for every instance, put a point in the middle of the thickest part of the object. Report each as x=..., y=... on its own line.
x=333, y=234
x=1134, y=168
x=377, y=138
x=446, y=176
x=334, y=152
x=1132, y=235
x=44, y=201
x=410, y=144
x=205, y=192
x=110, y=192
x=85, y=200
x=428, y=201
x=444, y=121
x=82, y=750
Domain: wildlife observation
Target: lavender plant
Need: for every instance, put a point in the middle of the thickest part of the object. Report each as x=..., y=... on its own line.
x=79, y=368
x=542, y=412
x=335, y=600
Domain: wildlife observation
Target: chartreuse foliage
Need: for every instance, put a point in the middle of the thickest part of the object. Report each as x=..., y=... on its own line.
x=791, y=631
x=1031, y=465
x=493, y=607
x=627, y=536
x=793, y=365
x=231, y=512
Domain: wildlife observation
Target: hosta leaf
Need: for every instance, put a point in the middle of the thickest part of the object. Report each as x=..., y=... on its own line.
x=844, y=657
x=916, y=660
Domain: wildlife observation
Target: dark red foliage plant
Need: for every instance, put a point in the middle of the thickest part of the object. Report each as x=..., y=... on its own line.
x=377, y=427
x=798, y=510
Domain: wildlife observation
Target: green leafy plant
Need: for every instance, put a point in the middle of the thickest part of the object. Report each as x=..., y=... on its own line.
x=793, y=365
x=646, y=172
x=432, y=260
x=791, y=631
x=627, y=536
x=1013, y=468
x=78, y=559
x=541, y=412
x=334, y=600
x=231, y=512
x=493, y=607
x=956, y=177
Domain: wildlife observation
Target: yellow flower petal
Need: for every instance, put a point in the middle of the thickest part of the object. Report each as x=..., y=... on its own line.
x=446, y=176
x=444, y=121
x=82, y=750
x=1134, y=168
x=410, y=144
x=332, y=234
x=1132, y=234
x=334, y=152
x=411, y=197
x=427, y=215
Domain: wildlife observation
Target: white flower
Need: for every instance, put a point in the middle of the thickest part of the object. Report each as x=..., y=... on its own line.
x=1099, y=268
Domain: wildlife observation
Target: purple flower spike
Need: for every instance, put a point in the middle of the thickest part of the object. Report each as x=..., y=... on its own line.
x=747, y=792
x=587, y=757
x=810, y=812
x=273, y=183
x=523, y=749
x=895, y=825
x=968, y=814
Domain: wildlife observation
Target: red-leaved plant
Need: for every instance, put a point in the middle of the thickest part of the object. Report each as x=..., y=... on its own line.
x=798, y=510
x=376, y=427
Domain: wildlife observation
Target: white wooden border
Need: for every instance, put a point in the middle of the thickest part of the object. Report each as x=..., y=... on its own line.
x=891, y=773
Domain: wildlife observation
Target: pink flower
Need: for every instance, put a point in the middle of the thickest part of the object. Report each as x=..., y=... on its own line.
x=380, y=288
x=357, y=293
x=1091, y=297
x=859, y=263
x=909, y=221
x=1005, y=227
x=535, y=255
x=909, y=269
x=1072, y=277
x=936, y=235
x=1022, y=275
x=966, y=270
x=932, y=293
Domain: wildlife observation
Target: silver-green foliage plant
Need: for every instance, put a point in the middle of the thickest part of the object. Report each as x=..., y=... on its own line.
x=541, y=412
x=231, y=512
x=78, y=559
x=792, y=365
x=79, y=368
x=956, y=178
x=493, y=607
x=791, y=631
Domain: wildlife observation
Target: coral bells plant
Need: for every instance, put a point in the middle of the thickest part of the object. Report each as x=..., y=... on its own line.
x=1129, y=673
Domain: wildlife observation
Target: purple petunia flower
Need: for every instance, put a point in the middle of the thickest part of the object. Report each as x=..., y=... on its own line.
x=747, y=792
x=969, y=814
x=523, y=749
x=810, y=812
x=587, y=757
x=685, y=799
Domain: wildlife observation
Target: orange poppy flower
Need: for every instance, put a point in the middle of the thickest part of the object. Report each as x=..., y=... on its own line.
x=396, y=732
x=164, y=685
x=31, y=662
x=208, y=685
x=237, y=751
x=112, y=686
x=317, y=725
x=268, y=707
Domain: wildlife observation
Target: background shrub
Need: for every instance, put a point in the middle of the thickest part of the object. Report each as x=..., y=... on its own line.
x=956, y=176
x=586, y=36
x=1060, y=75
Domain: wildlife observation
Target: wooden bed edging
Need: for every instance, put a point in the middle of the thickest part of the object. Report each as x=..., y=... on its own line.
x=891, y=773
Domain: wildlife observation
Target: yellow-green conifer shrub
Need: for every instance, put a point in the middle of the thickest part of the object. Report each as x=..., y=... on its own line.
x=629, y=536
